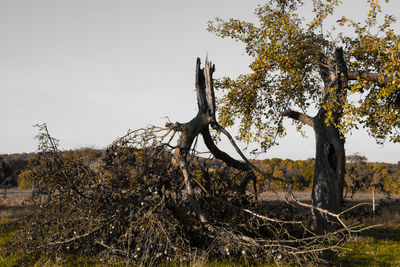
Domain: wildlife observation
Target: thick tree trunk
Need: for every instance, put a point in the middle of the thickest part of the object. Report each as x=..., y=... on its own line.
x=328, y=174
x=329, y=170
x=330, y=154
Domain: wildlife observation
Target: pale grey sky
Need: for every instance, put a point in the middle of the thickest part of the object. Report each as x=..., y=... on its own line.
x=92, y=69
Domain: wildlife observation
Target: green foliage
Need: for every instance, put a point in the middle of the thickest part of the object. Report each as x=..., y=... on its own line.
x=386, y=177
x=357, y=176
x=362, y=175
x=24, y=178
x=299, y=174
x=375, y=49
x=288, y=61
x=284, y=70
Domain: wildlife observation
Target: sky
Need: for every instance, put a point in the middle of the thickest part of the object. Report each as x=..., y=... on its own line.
x=92, y=69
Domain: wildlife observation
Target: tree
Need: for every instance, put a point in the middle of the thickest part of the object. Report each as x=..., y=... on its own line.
x=296, y=69
x=6, y=173
x=357, y=176
x=385, y=178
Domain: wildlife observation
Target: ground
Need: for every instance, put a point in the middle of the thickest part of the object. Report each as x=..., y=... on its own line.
x=379, y=245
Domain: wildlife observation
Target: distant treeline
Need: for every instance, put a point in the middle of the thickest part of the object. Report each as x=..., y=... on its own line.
x=14, y=166
x=360, y=174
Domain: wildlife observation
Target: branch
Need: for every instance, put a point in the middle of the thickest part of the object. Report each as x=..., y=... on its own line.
x=221, y=155
x=71, y=239
x=343, y=72
x=204, y=88
x=190, y=130
x=209, y=69
x=378, y=78
x=369, y=76
x=304, y=118
x=254, y=167
x=327, y=73
x=189, y=190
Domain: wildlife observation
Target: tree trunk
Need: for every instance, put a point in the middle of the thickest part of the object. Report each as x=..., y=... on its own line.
x=200, y=125
x=189, y=131
x=329, y=169
x=328, y=173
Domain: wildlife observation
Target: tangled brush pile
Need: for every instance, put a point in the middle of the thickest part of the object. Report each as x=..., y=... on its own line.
x=133, y=208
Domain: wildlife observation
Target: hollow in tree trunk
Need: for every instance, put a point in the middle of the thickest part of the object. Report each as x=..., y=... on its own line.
x=328, y=173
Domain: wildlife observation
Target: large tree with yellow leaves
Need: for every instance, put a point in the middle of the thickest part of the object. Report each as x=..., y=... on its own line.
x=298, y=68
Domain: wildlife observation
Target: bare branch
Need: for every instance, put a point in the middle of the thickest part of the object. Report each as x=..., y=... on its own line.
x=254, y=167
x=304, y=118
x=204, y=89
x=71, y=239
x=221, y=155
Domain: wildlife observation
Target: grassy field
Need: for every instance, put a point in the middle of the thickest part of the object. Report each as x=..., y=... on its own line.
x=379, y=246
x=375, y=247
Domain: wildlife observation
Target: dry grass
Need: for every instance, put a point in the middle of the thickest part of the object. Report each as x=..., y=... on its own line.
x=14, y=197
x=306, y=196
x=280, y=196
x=387, y=210
x=13, y=203
x=367, y=196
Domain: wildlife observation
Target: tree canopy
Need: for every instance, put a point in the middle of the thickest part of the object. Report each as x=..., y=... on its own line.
x=290, y=55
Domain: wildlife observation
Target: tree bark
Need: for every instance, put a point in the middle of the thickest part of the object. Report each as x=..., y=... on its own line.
x=329, y=169
x=328, y=173
x=189, y=130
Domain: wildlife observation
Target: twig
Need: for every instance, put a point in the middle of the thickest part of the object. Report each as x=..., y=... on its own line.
x=71, y=239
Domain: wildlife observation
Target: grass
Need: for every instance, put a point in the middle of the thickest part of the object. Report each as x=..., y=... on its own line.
x=7, y=228
x=374, y=247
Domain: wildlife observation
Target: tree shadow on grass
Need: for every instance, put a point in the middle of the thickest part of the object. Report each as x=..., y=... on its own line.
x=391, y=232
